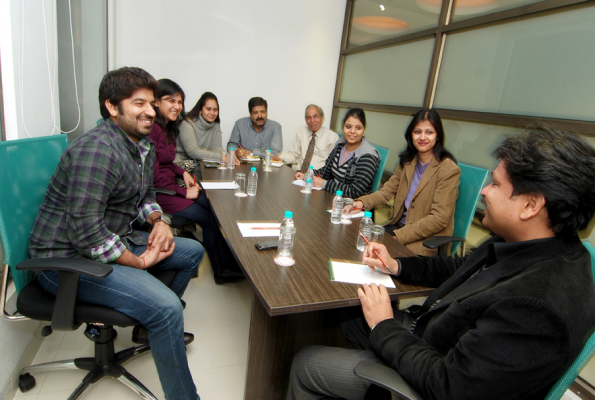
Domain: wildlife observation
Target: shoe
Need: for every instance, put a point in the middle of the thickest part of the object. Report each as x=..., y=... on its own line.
x=140, y=335
x=220, y=280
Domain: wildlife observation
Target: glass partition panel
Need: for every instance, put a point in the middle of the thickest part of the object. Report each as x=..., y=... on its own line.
x=383, y=129
x=539, y=66
x=396, y=75
x=375, y=20
x=465, y=9
x=473, y=143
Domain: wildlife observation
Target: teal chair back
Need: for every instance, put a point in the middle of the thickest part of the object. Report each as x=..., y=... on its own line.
x=26, y=166
x=383, y=157
x=560, y=387
x=471, y=182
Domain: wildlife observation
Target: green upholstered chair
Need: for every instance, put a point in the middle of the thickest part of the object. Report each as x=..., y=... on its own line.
x=471, y=182
x=390, y=379
x=383, y=158
x=99, y=121
x=26, y=167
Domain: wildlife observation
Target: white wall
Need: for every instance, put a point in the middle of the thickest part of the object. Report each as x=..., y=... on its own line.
x=284, y=51
x=32, y=98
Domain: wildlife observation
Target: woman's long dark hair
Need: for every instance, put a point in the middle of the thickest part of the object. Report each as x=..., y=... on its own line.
x=440, y=153
x=171, y=130
x=195, y=112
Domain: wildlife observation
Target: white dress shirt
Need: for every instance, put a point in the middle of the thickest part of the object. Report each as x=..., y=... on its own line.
x=325, y=142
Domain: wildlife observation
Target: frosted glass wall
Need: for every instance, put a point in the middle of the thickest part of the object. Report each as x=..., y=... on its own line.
x=539, y=67
x=395, y=75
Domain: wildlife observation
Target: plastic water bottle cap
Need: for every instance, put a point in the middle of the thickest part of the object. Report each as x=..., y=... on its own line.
x=311, y=167
x=288, y=214
x=339, y=193
x=253, y=169
x=368, y=214
x=269, y=150
x=232, y=149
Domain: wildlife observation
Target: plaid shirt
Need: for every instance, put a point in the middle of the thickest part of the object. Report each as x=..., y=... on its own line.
x=103, y=183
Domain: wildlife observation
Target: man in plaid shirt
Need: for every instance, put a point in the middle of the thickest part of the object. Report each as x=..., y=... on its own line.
x=102, y=185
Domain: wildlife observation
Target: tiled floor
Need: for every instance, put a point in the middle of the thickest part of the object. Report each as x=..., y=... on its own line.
x=219, y=317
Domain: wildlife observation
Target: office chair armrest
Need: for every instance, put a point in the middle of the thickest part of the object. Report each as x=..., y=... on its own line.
x=386, y=378
x=441, y=242
x=83, y=266
x=165, y=191
x=69, y=270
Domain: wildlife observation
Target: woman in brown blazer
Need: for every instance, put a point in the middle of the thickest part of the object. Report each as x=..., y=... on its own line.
x=425, y=186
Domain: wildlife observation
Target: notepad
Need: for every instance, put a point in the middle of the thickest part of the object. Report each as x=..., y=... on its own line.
x=277, y=164
x=302, y=183
x=351, y=272
x=247, y=229
x=250, y=158
x=218, y=185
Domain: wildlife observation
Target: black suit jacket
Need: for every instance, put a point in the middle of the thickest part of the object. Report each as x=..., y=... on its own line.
x=508, y=332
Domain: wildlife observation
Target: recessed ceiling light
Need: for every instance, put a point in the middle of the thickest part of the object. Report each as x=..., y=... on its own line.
x=382, y=7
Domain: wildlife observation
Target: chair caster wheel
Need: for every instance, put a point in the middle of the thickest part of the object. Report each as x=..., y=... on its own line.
x=26, y=382
x=47, y=331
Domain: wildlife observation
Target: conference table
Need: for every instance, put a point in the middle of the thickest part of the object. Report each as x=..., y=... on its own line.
x=293, y=306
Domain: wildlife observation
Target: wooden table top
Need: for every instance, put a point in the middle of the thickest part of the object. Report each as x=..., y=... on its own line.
x=305, y=286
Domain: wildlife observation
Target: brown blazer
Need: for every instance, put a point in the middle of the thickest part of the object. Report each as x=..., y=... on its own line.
x=431, y=212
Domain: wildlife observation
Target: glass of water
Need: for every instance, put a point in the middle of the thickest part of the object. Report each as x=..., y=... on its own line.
x=377, y=234
x=346, y=215
x=241, y=185
x=223, y=160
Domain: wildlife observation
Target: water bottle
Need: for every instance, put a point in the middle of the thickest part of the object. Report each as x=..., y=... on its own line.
x=252, y=182
x=287, y=221
x=267, y=160
x=231, y=158
x=285, y=248
x=309, y=178
x=364, y=228
x=337, y=208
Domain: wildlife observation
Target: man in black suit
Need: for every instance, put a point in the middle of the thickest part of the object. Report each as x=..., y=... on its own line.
x=505, y=321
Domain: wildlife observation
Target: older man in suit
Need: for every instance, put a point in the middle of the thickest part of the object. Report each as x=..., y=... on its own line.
x=505, y=321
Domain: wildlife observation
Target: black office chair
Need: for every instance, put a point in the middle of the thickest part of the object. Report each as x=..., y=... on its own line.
x=25, y=169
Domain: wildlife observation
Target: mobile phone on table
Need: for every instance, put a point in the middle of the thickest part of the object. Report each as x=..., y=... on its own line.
x=211, y=165
x=270, y=245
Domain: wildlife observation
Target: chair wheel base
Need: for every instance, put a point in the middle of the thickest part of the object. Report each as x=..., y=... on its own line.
x=26, y=382
x=46, y=331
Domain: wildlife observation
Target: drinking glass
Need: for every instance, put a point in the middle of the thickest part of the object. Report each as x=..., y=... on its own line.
x=241, y=183
x=346, y=216
x=223, y=160
x=377, y=233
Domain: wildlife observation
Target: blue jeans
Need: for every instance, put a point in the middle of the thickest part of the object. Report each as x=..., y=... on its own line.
x=139, y=295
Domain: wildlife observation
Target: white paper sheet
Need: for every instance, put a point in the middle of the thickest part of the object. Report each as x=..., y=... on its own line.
x=277, y=164
x=251, y=159
x=356, y=215
x=218, y=185
x=302, y=183
x=247, y=229
x=358, y=274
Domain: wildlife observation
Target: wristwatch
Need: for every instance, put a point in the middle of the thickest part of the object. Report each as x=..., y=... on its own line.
x=163, y=218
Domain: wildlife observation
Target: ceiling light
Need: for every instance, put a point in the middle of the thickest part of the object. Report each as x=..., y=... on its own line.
x=380, y=25
x=462, y=7
x=382, y=8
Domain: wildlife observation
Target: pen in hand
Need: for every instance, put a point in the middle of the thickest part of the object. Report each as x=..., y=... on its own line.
x=378, y=255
